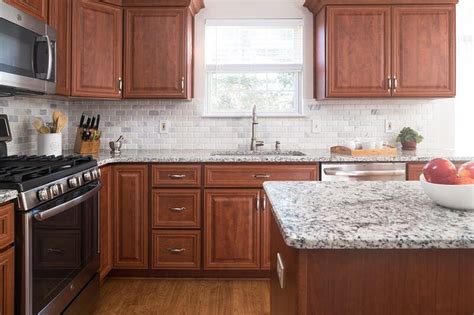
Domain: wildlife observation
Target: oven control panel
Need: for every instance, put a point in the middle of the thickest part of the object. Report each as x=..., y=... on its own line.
x=34, y=197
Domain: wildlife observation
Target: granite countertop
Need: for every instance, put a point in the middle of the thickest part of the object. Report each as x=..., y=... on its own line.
x=200, y=156
x=355, y=215
x=7, y=195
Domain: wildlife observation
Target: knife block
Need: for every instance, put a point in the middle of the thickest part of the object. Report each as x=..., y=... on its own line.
x=85, y=147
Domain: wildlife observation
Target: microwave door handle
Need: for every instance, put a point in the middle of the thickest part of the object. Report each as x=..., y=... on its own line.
x=41, y=216
x=50, y=57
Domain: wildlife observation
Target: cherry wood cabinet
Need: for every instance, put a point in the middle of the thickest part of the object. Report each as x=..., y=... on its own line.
x=377, y=50
x=176, y=175
x=96, y=50
x=176, y=208
x=36, y=8
x=158, y=53
x=358, y=51
x=7, y=221
x=424, y=41
x=60, y=18
x=232, y=229
x=265, y=232
x=106, y=222
x=176, y=250
x=130, y=201
x=414, y=170
x=7, y=275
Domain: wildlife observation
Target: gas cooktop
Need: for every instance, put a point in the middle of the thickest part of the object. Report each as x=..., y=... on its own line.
x=22, y=173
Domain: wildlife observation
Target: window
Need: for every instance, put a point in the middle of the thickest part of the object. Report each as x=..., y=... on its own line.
x=254, y=62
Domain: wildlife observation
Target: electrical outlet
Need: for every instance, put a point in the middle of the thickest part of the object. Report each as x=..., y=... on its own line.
x=316, y=126
x=164, y=126
x=388, y=126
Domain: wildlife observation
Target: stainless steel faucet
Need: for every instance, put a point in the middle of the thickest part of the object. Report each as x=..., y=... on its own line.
x=255, y=144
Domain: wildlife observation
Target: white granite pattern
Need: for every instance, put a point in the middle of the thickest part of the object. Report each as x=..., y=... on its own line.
x=204, y=156
x=373, y=215
x=7, y=195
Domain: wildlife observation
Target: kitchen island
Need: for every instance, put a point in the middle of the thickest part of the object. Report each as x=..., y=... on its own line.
x=368, y=248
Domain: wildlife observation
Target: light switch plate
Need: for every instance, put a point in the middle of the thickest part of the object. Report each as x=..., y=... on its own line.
x=164, y=126
x=316, y=126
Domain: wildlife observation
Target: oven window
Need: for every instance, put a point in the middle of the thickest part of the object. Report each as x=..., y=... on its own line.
x=16, y=53
x=63, y=246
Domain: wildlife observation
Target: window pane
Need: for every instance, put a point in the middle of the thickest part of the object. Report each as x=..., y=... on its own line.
x=239, y=92
x=254, y=44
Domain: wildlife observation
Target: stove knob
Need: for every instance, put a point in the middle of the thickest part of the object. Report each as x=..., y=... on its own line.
x=87, y=176
x=43, y=194
x=99, y=173
x=54, y=189
x=72, y=182
x=94, y=174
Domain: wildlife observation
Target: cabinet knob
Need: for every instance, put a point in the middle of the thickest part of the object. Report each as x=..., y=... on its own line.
x=176, y=250
x=177, y=176
x=120, y=85
x=183, y=81
x=178, y=209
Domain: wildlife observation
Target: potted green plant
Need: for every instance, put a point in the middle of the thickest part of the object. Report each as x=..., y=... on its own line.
x=409, y=138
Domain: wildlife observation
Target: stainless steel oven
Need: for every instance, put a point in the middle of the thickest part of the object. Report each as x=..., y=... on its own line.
x=58, y=252
x=27, y=53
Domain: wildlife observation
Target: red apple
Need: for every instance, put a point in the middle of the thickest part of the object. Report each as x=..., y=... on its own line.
x=466, y=174
x=441, y=171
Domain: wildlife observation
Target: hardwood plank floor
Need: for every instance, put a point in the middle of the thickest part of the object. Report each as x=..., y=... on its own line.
x=183, y=297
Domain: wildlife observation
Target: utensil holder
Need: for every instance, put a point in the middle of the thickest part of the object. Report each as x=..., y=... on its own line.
x=50, y=144
x=85, y=147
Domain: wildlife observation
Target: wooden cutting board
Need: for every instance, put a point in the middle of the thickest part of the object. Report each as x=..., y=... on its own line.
x=387, y=150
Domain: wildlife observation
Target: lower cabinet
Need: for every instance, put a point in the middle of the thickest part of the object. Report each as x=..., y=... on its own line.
x=232, y=229
x=176, y=250
x=130, y=201
x=414, y=170
x=106, y=222
x=7, y=265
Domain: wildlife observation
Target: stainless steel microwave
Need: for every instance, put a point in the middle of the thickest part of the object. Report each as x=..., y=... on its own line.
x=27, y=54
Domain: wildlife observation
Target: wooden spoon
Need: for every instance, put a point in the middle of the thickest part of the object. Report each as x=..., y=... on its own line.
x=44, y=129
x=56, y=115
x=61, y=123
x=38, y=123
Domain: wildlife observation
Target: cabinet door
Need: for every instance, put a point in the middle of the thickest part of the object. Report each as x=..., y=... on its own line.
x=358, y=51
x=155, y=53
x=96, y=50
x=60, y=18
x=414, y=170
x=131, y=216
x=7, y=264
x=424, y=50
x=36, y=8
x=232, y=229
x=106, y=222
x=266, y=217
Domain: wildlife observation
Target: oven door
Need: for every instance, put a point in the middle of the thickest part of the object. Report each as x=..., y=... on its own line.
x=28, y=53
x=61, y=251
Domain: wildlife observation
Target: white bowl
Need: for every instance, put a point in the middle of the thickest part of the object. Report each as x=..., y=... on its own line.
x=459, y=197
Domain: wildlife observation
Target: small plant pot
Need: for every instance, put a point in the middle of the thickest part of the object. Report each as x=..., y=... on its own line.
x=409, y=146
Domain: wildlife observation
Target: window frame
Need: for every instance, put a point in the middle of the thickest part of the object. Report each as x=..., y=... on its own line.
x=297, y=69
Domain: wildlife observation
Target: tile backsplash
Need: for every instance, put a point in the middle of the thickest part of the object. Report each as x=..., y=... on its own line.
x=138, y=121
x=21, y=111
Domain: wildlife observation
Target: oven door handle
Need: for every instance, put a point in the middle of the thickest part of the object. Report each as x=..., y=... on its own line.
x=41, y=216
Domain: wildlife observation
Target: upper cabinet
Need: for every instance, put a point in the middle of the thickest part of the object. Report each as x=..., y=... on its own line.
x=152, y=39
x=158, y=53
x=96, y=50
x=36, y=8
x=367, y=50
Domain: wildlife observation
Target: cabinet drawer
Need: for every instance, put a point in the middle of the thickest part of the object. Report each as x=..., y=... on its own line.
x=6, y=225
x=176, y=175
x=176, y=208
x=254, y=175
x=176, y=249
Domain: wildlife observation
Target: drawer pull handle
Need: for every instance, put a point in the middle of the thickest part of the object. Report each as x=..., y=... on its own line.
x=55, y=250
x=176, y=250
x=178, y=209
x=177, y=176
x=261, y=176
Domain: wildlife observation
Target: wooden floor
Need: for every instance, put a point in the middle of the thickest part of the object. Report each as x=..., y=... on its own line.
x=183, y=297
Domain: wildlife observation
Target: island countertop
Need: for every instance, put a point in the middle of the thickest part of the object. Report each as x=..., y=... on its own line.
x=369, y=215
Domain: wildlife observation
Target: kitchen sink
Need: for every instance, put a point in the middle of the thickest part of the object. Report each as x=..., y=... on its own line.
x=258, y=153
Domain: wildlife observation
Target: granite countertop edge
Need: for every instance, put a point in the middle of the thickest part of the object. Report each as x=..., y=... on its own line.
x=7, y=195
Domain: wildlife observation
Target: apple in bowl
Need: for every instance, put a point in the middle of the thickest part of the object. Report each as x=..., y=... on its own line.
x=447, y=186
